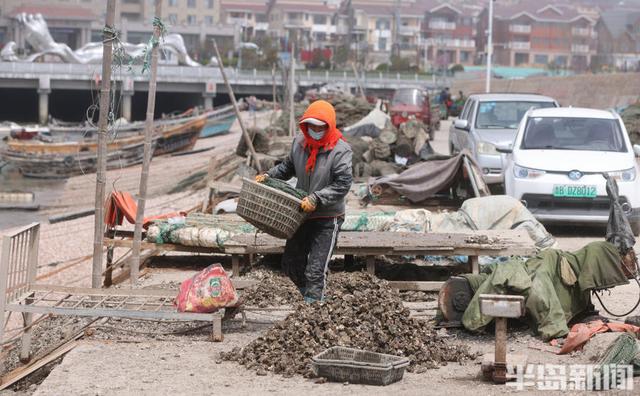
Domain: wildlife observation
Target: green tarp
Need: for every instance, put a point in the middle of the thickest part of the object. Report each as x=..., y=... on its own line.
x=555, y=285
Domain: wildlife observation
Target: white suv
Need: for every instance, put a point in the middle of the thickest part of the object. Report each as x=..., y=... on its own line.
x=556, y=162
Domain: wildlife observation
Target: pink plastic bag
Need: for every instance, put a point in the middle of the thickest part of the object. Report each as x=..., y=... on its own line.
x=207, y=291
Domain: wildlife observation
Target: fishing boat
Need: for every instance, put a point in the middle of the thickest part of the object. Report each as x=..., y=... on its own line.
x=61, y=159
x=219, y=121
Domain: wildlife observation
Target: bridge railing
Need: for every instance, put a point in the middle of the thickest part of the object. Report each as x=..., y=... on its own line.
x=34, y=70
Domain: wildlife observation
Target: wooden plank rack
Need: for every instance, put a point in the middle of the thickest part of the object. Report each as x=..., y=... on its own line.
x=142, y=304
x=372, y=244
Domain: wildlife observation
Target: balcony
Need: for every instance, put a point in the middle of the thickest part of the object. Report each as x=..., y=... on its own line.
x=581, y=32
x=262, y=26
x=323, y=28
x=520, y=45
x=409, y=30
x=294, y=22
x=526, y=29
x=442, y=25
x=382, y=33
x=580, y=48
x=450, y=43
x=238, y=21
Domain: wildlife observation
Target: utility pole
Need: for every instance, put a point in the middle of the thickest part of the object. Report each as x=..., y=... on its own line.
x=395, y=48
x=489, y=48
x=148, y=144
x=108, y=35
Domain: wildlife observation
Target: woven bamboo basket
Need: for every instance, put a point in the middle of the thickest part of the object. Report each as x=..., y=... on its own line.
x=272, y=211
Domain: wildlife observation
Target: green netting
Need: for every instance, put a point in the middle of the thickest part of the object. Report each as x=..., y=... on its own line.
x=285, y=187
x=377, y=221
x=622, y=351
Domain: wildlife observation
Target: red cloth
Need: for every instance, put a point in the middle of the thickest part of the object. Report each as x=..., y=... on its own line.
x=324, y=111
x=120, y=205
x=580, y=333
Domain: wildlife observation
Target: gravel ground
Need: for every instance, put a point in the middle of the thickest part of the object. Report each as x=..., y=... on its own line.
x=121, y=361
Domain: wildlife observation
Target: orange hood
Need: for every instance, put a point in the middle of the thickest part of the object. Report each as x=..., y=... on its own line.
x=324, y=111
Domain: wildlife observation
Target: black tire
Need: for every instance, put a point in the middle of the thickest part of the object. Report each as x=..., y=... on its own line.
x=635, y=227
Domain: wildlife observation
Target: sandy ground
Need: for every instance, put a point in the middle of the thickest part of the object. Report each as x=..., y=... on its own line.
x=122, y=363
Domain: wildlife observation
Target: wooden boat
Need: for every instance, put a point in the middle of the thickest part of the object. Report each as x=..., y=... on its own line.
x=219, y=121
x=61, y=159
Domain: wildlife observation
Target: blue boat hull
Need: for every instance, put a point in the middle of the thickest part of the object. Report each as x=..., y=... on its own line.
x=218, y=126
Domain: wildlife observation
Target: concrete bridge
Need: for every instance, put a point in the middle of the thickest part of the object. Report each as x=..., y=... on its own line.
x=206, y=81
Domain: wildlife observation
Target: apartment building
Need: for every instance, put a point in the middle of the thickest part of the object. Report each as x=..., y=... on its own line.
x=449, y=32
x=619, y=39
x=539, y=34
x=308, y=23
x=250, y=16
x=77, y=22
x=372, y=26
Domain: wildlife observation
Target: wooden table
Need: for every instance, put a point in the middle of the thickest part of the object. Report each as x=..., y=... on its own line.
x=372, y=244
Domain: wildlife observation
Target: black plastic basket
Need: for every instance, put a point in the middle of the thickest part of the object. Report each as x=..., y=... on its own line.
x=340, y=364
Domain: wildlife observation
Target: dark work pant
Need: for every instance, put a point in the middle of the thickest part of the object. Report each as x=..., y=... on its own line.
x=307, y=255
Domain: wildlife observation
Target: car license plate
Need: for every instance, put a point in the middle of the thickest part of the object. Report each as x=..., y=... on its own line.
x=574, y=191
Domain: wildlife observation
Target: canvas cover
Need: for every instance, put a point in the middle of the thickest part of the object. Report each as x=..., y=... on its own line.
x=551, y=300
x=424, y=179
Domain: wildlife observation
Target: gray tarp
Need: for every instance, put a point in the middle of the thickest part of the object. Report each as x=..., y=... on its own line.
x=425, y=179
x=370, y=125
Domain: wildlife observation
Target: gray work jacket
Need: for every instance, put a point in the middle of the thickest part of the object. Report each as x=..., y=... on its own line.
x=329, y=181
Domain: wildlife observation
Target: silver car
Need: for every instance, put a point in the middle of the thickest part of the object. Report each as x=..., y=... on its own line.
x=490, y=120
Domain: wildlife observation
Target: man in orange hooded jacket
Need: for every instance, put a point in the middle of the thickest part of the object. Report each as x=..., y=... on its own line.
x=321, y=161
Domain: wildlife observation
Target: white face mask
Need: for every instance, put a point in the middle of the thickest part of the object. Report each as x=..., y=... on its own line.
x=315, y=135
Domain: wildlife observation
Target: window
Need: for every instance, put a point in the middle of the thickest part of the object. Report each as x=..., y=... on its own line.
x=408, y=96
x=191, y=20
x=132, y=1
x=96, y=36
x=467, y=111
x=521, y=58
x=173, y=3
x=131, y=16
x=383, y=24
x=173, y=19
x=505, y=114
x=191, y=4
x=560, y=60
x=320, y=36
x=210, y=4
x=541, y=59
x=464, y=56
x=382, y=44
x=208, y=20
x=319, y=19
x=568, y=133
x=261, y=18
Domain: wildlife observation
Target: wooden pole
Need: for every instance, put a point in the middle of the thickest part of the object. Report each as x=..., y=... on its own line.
x=357, y=76
x=247, y=138
x=148, y=147
x=101, y=175
x=292, y=91
x=273, y=81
